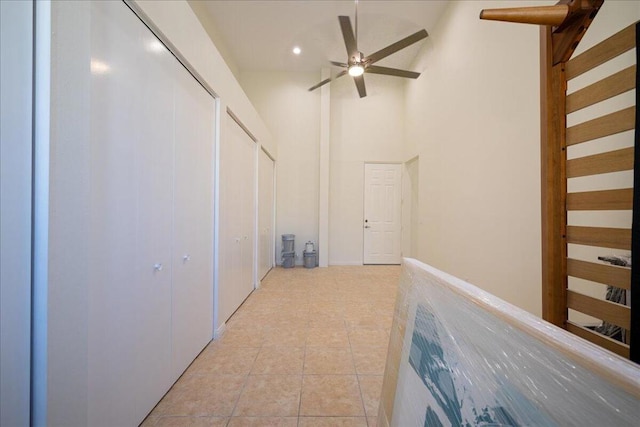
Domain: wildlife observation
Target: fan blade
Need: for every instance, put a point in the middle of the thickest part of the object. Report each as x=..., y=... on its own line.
x=325, y=81
x=393, y=48
x=322, y=83
x=391, y=72
x=347, y=35
x=360, y=85
x=339, y=64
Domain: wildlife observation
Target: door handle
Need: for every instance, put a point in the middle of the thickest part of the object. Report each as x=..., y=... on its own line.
x=367, y=226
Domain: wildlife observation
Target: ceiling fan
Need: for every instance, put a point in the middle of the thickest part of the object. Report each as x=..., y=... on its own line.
x=358, y=64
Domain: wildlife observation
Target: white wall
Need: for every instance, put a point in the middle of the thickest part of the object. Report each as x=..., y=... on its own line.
x=16, y=55
x=362, y=130
x=292, y=113
x=473, y=117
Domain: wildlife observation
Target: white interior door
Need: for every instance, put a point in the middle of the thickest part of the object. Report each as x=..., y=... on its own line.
x=152, y=289
x=248, y=214
x=192, y=285
x=382, y=222
x=131, y=139
x=265, y=212
x=237, y=219
x=151, y=139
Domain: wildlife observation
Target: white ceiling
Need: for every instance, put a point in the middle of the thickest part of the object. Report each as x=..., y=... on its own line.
x=260, y=35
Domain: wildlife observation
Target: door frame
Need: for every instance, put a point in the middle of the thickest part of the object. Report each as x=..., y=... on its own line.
x=409, y=226
x=273, y=215
x=17, y=197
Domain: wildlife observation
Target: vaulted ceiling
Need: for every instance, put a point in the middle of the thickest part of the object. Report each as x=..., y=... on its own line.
x=260, y=35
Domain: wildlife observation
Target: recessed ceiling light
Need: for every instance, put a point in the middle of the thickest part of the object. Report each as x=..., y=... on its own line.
x=297, y=50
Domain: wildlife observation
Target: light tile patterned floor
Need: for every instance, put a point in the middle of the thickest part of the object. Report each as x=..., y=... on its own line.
x=307, y=349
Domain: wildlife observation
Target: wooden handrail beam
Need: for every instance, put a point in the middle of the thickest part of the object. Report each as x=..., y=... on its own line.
x=538, y=15
x=568, y=19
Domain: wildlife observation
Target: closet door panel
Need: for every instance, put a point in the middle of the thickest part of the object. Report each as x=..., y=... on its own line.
x=114, y=134
x=154, y=225
x=227, y=240
x=192, y=290
x=248, y=213
x=141, y=101
x=237, y=177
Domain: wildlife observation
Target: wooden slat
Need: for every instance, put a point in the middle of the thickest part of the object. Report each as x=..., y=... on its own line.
x=617, y=347
x=605, y=200
x=609, y=87
x=610, y=124
x=620, y=277
x=615, y=45
x=615, y=238
x=612, y=161
x=611, y=312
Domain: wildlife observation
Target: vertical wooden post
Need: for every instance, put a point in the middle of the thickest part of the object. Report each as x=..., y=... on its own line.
x=553, y=88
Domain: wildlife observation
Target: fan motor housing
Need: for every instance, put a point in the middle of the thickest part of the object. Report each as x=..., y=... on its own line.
x=357, y=58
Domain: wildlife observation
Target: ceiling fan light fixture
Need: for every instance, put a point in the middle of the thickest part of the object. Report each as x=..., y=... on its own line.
x=356, y=70
x=357, y=64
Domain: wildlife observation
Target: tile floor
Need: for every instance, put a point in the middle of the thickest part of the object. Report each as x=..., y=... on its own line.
x=306, y=349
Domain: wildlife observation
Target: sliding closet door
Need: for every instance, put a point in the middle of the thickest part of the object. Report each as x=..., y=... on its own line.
x=150, y=205
x=192, y=297
x=248, y=213
x=265, y=212
x=237, y=219
x=229, y=249
x=115, y=133
x=129, y=358
x=152, y=289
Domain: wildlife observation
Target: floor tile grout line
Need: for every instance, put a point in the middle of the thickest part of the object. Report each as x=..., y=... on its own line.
x=246, y=380
x=304, y=362
x=364, y=409
x=266, y=307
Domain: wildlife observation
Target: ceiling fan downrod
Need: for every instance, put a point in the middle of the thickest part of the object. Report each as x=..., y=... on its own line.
x=356, y=32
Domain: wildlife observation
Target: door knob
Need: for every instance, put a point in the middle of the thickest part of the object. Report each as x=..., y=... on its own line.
x=186, y=258
x=157, y=267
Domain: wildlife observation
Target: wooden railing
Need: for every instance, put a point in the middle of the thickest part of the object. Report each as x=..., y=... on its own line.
x=573, y=279
x=595, y=132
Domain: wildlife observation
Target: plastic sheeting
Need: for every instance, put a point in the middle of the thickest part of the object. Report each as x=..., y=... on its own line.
x=459, y=356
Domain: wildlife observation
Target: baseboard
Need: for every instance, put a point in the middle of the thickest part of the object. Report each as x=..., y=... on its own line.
x=217, y=334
